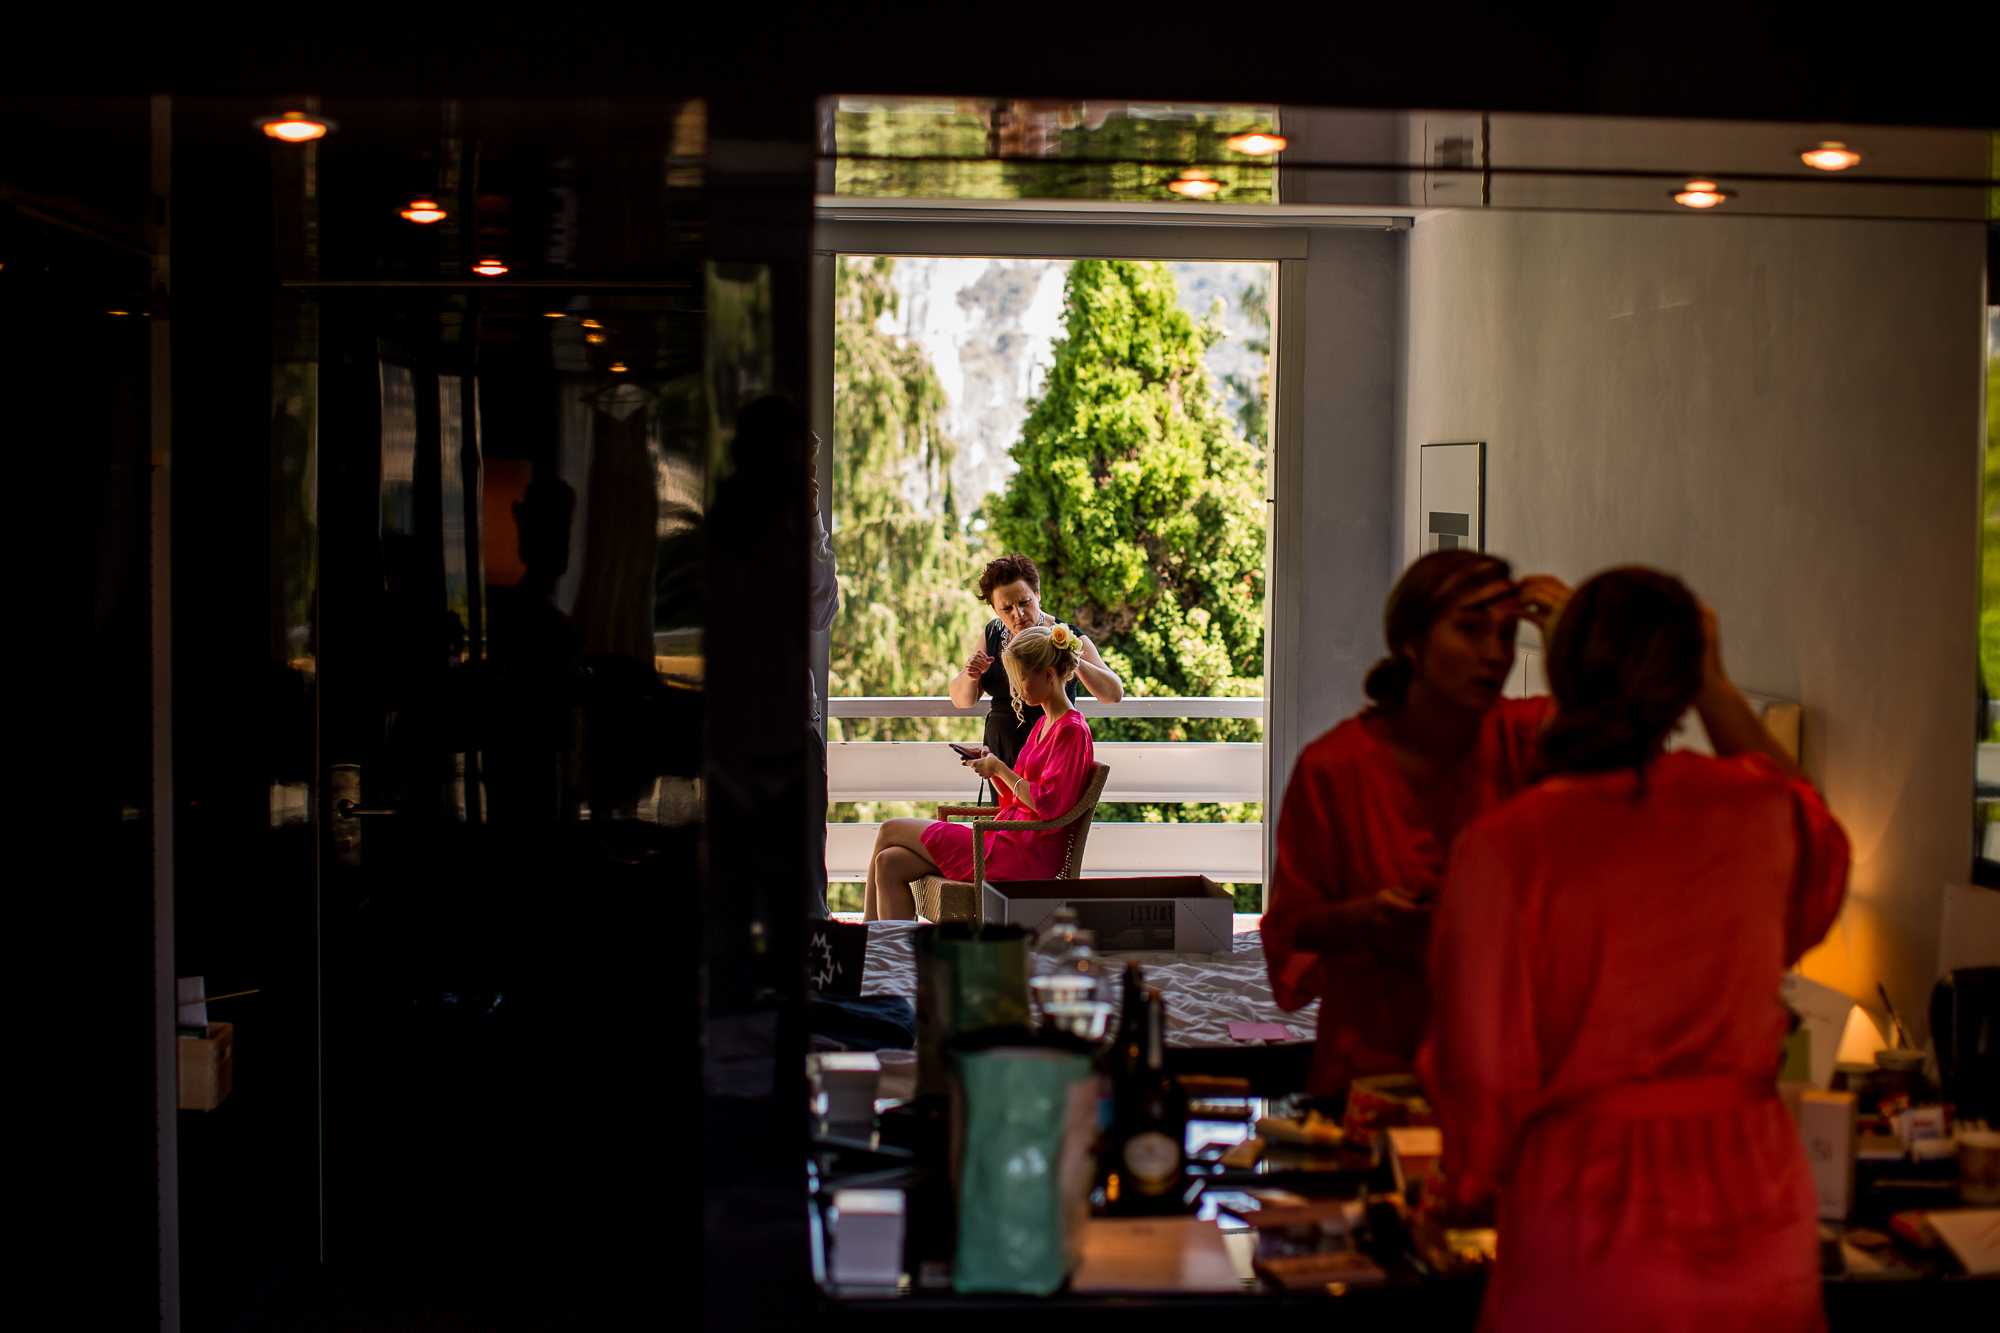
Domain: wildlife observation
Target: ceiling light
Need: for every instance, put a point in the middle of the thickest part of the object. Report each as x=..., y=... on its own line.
x=555, y=314
x=423, y=210
x=618, y=367
x=117, y=312
x=592, y=324
x=593, y=337
x=489, y=268
x=1701, y=194
x=1830, y=155
x=295, y=127
x=1257, y=144
x=1196, y=184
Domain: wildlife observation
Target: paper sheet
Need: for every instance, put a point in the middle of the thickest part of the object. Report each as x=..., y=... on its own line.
x=1974, y=1236
x=190, y=999
x=1154, y=1254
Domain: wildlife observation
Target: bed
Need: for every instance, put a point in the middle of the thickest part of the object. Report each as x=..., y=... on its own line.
x=1204, y=993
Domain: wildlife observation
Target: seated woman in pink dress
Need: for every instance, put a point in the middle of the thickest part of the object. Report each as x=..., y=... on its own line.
x=1047, y=778
x=1605, y=1022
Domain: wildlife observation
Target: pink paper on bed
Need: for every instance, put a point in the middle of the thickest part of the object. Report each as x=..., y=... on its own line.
x=1259, y=1032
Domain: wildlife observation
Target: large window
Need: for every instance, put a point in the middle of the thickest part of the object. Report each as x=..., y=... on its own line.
x=1108, y=418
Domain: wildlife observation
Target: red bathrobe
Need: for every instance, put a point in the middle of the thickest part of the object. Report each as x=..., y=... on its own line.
x=1349, y=827
x=1605, y=1036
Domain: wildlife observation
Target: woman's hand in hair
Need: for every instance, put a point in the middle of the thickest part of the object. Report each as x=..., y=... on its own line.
x=1542, y=598
x=1733, y=726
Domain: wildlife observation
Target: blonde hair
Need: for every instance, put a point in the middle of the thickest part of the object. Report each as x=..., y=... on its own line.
x=1037, y=649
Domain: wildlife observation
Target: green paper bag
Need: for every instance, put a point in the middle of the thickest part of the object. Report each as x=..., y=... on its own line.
x=1024, y=1157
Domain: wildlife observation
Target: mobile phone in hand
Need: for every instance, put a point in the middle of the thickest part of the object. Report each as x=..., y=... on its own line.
x=964, y=751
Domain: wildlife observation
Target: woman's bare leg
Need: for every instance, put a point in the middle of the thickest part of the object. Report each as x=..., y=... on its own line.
x=886, y=897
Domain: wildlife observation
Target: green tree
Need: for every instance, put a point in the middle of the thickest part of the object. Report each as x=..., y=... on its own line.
x=1253, y=412
x=906, y=613
x=1143, y=509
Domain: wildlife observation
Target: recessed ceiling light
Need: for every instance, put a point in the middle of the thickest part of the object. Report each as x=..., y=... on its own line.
x=1701, y=194
x=1196, y=184
x=1257, y=144
x=424, y=210
x=295, y=127
x=489, y=268
x=555, y=314
x=592, y=324
x=1830, y=155
x=618, y=367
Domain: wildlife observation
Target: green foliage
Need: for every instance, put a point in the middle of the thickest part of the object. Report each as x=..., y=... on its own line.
x=1005, y=150
x=1989, y=591
x=1143, y=510
x=1253, y=413
x=905, y=614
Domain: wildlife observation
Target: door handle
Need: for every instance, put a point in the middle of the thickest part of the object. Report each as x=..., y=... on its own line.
x=346, y=809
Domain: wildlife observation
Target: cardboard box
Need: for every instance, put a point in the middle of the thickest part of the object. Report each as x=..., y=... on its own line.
x=1826, y=1123
x=1183, y=913
x=207, y=1066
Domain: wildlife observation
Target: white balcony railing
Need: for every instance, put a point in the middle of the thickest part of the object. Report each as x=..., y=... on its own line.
x=1154, y=772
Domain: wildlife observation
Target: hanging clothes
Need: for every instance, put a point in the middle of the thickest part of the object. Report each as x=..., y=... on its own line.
x=1605, y=966
x=1349, y=828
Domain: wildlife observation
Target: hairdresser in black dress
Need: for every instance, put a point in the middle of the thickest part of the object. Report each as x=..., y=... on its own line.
x=1013, y=589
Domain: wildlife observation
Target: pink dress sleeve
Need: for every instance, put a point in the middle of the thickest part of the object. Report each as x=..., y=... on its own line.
x=1820, y=881
x=1480, y=1062
x=1307, y=875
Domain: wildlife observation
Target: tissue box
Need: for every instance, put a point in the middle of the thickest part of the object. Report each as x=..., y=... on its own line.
x=206, y=1067
x=1826, y=1123
x=867, y=1237
x=1184, y=913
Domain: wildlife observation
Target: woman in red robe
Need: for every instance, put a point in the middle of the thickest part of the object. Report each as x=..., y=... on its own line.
x=1373, y=806
x=1605, y=967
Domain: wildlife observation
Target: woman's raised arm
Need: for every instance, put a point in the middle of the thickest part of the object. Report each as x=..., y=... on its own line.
x=1099, y=679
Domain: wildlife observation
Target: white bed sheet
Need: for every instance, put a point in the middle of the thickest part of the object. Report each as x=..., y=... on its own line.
x=1204, y=993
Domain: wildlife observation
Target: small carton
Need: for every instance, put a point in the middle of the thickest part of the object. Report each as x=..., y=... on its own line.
x=1826, y=1123
x=1182, y=913
x=207, y=1066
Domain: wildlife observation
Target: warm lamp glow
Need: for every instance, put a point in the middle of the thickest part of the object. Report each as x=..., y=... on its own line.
x=591, y=324
x=1831, y=155
x=618, y=367
x=1256, y=145
x=489, y=268
x=1196, y=184
x=1700, y=194
x=555, y=314
x=593, y=337
x=294, y=127
x=424, y=210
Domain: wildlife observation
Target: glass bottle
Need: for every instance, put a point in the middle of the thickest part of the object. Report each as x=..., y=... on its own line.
x=1150, y=1131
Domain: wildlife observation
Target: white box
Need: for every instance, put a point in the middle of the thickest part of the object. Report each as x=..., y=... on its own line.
x=1826, y=1123
x=867, y=1238
x=1182, y=913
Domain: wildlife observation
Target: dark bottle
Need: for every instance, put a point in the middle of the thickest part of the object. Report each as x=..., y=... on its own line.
x=1127, y=1053
x=1148, y=1173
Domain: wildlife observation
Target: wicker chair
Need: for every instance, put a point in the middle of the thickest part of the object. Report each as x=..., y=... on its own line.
x=940, y=899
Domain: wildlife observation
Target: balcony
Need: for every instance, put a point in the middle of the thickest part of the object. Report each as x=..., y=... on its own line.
x=1156, y=772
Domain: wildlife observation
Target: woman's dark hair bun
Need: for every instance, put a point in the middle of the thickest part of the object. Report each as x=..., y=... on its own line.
x=1422, y=597
x=1388, y=681
x=1624, y=663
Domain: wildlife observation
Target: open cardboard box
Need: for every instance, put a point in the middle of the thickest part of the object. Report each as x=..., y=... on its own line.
x=1184, y=913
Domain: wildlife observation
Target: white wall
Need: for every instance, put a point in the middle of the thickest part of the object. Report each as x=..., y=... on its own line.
x=1334, y=488
x=1784, y=412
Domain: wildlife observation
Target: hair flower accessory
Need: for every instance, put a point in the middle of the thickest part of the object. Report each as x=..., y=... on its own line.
x=1063, y=637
